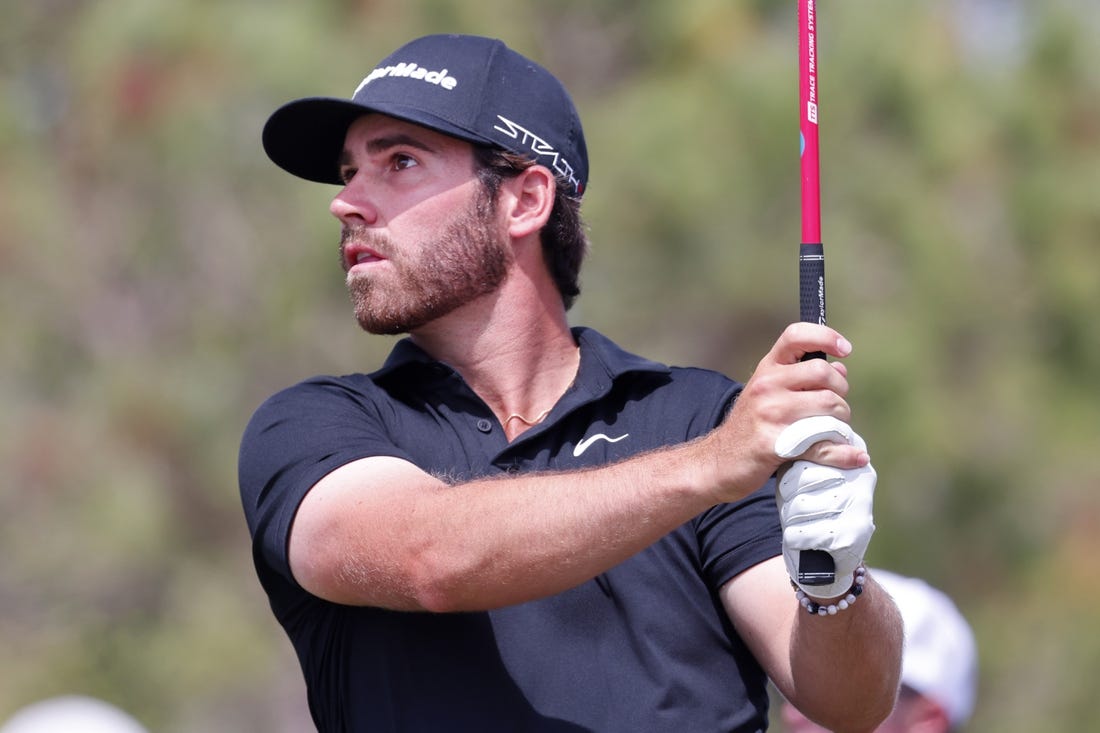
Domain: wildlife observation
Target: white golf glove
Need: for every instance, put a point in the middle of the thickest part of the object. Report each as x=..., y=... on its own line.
x=821, y=507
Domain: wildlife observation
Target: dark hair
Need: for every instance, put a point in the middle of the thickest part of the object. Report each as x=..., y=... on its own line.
x=564, y=238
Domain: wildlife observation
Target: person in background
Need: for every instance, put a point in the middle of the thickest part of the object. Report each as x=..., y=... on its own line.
x=939, y=668
x=513, y=524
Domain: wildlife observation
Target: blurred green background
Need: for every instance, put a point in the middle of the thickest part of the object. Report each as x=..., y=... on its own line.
x=159, y=277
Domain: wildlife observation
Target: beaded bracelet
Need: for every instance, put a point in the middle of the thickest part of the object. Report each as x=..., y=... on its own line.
x=817, y=609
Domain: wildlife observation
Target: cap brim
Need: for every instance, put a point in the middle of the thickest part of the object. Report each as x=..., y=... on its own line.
x=306, y=137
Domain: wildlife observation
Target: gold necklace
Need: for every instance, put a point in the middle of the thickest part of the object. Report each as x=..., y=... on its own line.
x=539, y=418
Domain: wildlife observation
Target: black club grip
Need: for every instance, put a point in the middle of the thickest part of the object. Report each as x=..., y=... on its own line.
x=815, y=567
x=811, y=287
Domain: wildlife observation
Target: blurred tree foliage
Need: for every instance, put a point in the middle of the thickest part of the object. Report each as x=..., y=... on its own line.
x=160, y=277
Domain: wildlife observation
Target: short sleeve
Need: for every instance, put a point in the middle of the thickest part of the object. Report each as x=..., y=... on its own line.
x=734, y=537
x=293, y=440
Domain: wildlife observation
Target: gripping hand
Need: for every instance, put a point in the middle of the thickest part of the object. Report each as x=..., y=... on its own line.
x=821, y=507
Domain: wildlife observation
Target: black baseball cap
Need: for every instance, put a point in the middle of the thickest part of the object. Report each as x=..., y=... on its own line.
x=470, y=87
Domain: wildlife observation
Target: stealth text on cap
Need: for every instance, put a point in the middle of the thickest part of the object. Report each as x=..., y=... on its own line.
x=539, y=147
x=412, y=71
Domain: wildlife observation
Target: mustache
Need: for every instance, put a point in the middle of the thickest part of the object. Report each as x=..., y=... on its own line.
x=361, y=234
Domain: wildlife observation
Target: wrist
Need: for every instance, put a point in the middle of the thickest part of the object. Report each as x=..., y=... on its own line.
x=832, y=606
x=730, y=470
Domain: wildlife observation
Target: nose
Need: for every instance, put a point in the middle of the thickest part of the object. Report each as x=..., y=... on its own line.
x=352, y=206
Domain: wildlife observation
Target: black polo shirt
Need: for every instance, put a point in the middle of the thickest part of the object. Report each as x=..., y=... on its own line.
x=645, y=647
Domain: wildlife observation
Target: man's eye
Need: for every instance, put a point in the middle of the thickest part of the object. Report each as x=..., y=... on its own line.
x=401, y=162
x=346, y=174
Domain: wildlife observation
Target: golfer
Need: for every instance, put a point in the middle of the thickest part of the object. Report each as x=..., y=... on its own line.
x=512, y=524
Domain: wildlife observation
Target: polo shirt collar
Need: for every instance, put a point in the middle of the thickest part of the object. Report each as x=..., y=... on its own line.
x=405, y=353
x=602, y=356
x=602, y=360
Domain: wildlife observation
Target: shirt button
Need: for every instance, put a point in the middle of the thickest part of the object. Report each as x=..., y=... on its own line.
x=484, y=425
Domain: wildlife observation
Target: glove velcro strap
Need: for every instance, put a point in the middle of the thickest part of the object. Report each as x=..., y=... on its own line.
x=831, y=609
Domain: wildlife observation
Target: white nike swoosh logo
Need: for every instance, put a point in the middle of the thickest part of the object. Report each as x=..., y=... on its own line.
x=587, y=442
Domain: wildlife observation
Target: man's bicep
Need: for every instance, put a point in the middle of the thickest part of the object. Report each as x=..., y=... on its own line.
x=347, y=541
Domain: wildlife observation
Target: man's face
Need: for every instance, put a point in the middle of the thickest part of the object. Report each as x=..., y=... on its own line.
x=419, y=235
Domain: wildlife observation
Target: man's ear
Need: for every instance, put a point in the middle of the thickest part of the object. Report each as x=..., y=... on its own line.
x=528, y=199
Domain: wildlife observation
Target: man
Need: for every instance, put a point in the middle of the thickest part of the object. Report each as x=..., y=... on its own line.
x=939, y=671
x=514, y=525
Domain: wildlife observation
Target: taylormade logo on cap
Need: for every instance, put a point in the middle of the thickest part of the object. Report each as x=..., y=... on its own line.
x=412, y=71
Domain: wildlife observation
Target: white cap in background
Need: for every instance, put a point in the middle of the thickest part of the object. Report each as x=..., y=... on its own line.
x=940, y=659
x=71, y=714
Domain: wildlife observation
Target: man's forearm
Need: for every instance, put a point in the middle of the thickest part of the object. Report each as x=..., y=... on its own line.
x=537, y=535
x=845, y=668
x=382, y=533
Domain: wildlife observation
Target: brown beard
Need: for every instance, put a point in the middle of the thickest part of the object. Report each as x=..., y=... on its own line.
x=468, y=259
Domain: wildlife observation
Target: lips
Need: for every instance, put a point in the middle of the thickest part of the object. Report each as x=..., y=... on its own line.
x=355, y=253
